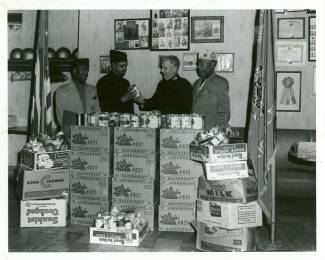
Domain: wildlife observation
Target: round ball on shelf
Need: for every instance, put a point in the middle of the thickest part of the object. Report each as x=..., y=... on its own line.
x=28, y=54
x=75, y=53
x=63, y=53
x=16, y=53
x=51, y=53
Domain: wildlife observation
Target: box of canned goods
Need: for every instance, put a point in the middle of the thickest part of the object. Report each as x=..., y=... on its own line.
x=178, y=190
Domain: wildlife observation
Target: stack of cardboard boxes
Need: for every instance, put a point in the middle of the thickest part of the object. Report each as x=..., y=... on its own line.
x=227, y=210
x=136, y=180
x=90, y=173
x=178, y=180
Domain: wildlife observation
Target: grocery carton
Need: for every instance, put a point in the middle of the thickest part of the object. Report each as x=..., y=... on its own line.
x=90, y=186
x=232, y=190
x=43, y=213
x=226, y=170
x=45, y=160
x=91, y=138
x=218, y=153
x=229, y=215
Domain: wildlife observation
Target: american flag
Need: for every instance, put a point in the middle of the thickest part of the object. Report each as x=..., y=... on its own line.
x=41, y=106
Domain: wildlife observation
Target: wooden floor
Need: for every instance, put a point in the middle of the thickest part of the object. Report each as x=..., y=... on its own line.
x=295, y=231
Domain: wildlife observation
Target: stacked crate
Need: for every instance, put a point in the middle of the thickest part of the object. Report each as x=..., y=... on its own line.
x=178, y=180
x=90, y=172
x=227, y=208
x=135, y=185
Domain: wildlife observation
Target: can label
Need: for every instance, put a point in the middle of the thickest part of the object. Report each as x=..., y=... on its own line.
x=175, y=121
x=153, y=121
x=186, y=122
x=144, y=120
x=103, y=119
x=135, y=120
x=165, y=121
x=197, y=122
x=124, y=120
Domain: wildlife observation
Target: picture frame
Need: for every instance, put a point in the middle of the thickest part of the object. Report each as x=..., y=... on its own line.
x=131, y=34
x=288, y=91
x=189, y=61
x=291, y=28
x=169, y=30
x=206, y=29
x=225, y=62
x=311, y=11
x=290, y=53
x=312, y=38
x=104, y=64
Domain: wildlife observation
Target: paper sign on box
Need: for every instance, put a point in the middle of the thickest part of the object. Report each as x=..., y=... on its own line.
x=226, y=170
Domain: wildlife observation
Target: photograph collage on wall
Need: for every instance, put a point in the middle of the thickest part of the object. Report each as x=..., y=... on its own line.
x=131, y=34
x=170, y=29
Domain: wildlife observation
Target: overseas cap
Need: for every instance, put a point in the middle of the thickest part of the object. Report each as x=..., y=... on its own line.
x=117, y=56
x=207, y=56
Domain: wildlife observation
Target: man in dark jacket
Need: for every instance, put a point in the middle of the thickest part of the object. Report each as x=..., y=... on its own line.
x=173, y=94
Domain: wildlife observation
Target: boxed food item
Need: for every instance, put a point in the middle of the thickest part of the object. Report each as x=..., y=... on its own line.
x=91, y=161
x=43, y=213
x=91, y=138
x=45, y=160
x=42, y=184
x=135, y=163
x=229, y=215
x=132, y=237
x=135, y=140
x=212, y=238
x=178, y=188
x=175, y=218
x=231, y=190
x=181, y=165
x=226, y=170
x=90, y=186
x=218, y=153
x=84, y=209
x=176, y=141
x=130, y=188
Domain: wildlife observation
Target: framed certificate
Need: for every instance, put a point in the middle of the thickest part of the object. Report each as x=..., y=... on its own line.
x=189, y=60
x=291, y=28
x=225, y=62
x=290, y=53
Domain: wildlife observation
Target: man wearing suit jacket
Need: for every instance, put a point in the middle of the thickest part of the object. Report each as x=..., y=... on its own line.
x=210, y=93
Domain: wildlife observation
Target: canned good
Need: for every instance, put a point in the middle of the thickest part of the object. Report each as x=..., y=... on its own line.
x=124, y=120
x=153, y=121
x=186, y=121
x=113, y=119
x=165, y=121
x=175, y=121
x=135, y=120
x=197, y=121
x=92, y=119
x=103, y=119
x=99, y=222
x=144, y=120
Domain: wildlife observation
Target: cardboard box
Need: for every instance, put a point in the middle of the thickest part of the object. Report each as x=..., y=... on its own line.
x=218, y=153
x=84, y=209
x=229, y=215
x=45, y=160
x=140, y=164
x=212, y=238
x=180, y=165
x=129, y=188
x=91, y=186
x=132, y=238
x=91, y=138
x=135, y=140
x=44, y=184
x=226, y=170
x=91, y=161
x=232, y=190
x=176, y=141
x=43, y=213
x=178, y=188
x=175, y=218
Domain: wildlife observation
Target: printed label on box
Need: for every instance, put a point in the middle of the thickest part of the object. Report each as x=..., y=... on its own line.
x=84, y=185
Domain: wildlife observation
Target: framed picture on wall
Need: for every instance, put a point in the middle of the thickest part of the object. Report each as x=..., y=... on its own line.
x=290, y=53
x=312, y=38
x=225, y=62
x=131, y=34
x=288, y=91
x=169, y=29
x=291, y=28
x=189, y=60
x=104, y=64
x=207, y=29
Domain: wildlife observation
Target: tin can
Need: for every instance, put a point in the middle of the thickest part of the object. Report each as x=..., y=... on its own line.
x=113, y=119
x=165, y=121
x=153, y=121
x=124, y=120
x=144, y=120
x=135, y=120
x=99, y=222
x=82, y=119
x=92, y=119
x=175, y=121
x=197, y=121
x=103, y=119
x=186, y=121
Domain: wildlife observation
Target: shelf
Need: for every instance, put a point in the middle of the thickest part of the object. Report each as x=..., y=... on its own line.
x=62, y=65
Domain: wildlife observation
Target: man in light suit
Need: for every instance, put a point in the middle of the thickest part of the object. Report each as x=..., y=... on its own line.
x=210, y=93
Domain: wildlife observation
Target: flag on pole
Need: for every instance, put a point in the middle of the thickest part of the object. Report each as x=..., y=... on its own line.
x=40, y=118
x=261, y=129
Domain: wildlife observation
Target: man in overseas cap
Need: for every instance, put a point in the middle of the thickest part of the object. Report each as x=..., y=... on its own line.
x=75, y=97
x=210, y=92
x=114, y=92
